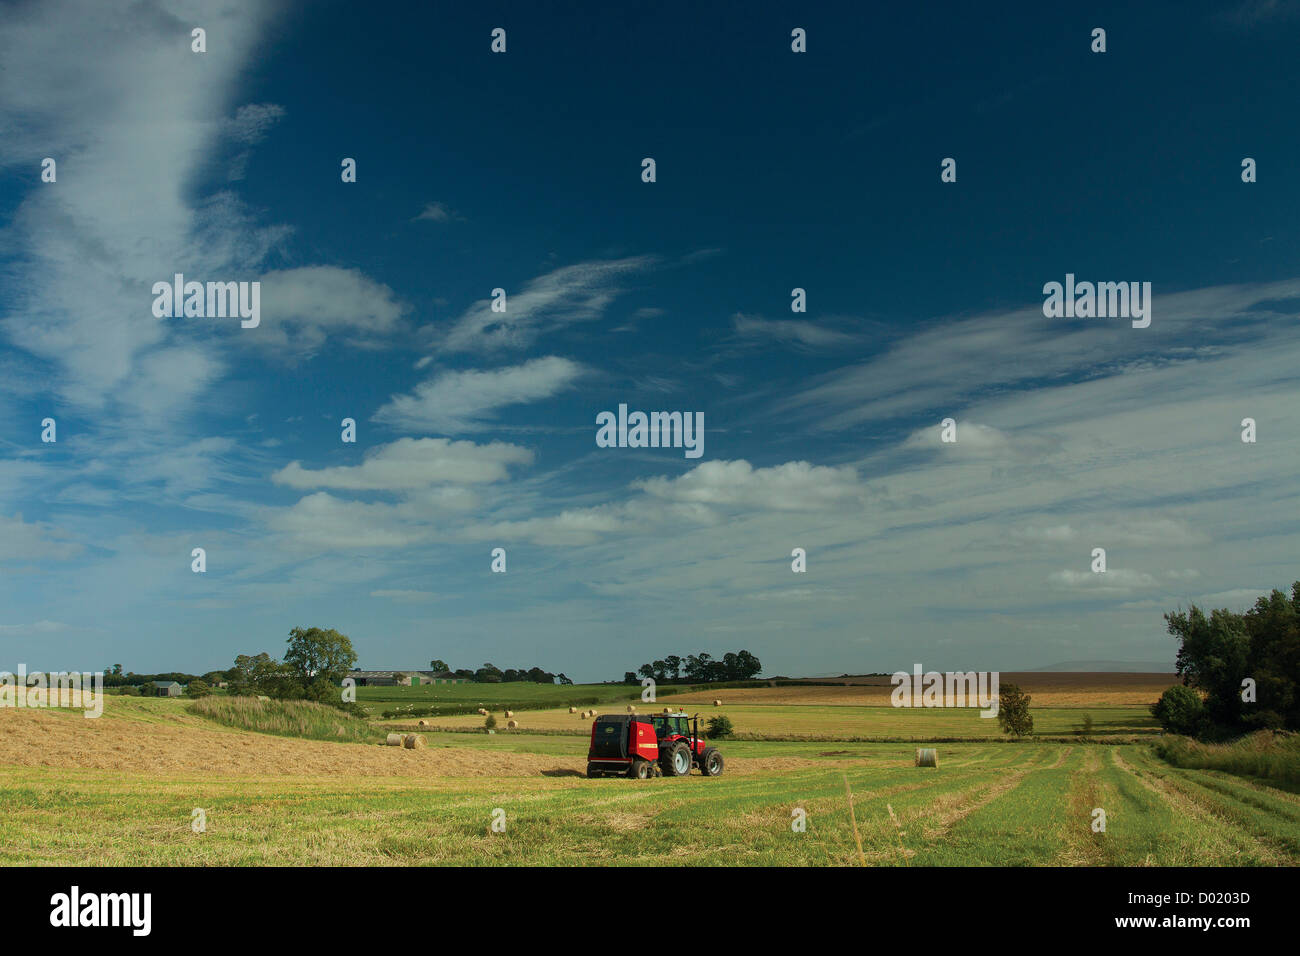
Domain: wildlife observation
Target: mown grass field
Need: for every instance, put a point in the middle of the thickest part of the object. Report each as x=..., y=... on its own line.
x=121, y=790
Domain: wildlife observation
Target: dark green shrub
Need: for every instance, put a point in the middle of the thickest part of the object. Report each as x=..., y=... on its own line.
x=1180, y=710
x=719, y=726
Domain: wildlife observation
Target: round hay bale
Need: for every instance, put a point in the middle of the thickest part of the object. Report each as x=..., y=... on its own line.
x=262, y=697
x=393, y=740
x=927, y=757
x=412, y=741
x=513, y=725
x=717, y=703
x=423, y=723
x=667, y=710
x=631, y=709
x=573, y=710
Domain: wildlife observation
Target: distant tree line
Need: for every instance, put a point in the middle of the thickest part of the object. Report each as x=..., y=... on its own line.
x=489, y=673
x=1241, y=672
x=132, y=679
x=698, y=669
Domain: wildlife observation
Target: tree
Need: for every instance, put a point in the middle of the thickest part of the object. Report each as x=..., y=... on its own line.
x=1013, y=711
x=674, y=664
x=117, y=670
x=1214, y=656
x=439, y=666
x=629, y=677
x=1218, y=654
x=748, y=666
x=197, y=688
x=563, y=680
x=1180, y=710
x=319, y=659
x=262, y=674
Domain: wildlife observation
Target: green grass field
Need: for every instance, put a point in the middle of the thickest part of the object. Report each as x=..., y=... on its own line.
x=122, y=789
x=985, y=804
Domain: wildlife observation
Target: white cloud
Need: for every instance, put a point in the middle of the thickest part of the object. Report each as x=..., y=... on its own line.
x=81, y=86
x=804, y=334
x=974, y=440
x=321, y=521
x=1112, y=579
x=411, y=463
x=462, y=401
x=302, y=307
x=437, y=212
x=577, y=293
x=33, y=541
x=793, y=486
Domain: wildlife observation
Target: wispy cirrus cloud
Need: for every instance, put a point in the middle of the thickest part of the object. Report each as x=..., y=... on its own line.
x=800, y=333
x=458, y=401
x=571, y=294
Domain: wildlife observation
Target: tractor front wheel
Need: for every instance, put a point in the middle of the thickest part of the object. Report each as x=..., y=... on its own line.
x=675, y=760
x=592, y=772
x=640, y=770
x=711, y=762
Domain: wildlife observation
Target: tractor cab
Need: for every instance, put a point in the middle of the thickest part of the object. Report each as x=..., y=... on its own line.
x=678, y=727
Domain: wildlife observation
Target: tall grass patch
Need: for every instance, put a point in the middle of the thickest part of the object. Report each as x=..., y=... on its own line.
x=1267, y=755
x=286, y=718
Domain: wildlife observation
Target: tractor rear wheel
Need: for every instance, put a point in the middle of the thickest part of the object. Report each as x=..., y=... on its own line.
x=711, y=762
x=675, y=760
x=640, y=769
x=592, y=772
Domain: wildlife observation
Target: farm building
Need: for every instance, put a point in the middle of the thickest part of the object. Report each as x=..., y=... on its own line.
x=167, y=688
x=404, y=678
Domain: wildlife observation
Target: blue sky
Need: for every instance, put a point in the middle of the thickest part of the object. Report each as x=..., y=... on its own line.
x=476, y=430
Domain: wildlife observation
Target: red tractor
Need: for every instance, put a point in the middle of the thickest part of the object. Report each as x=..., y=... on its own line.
x=653, y=745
